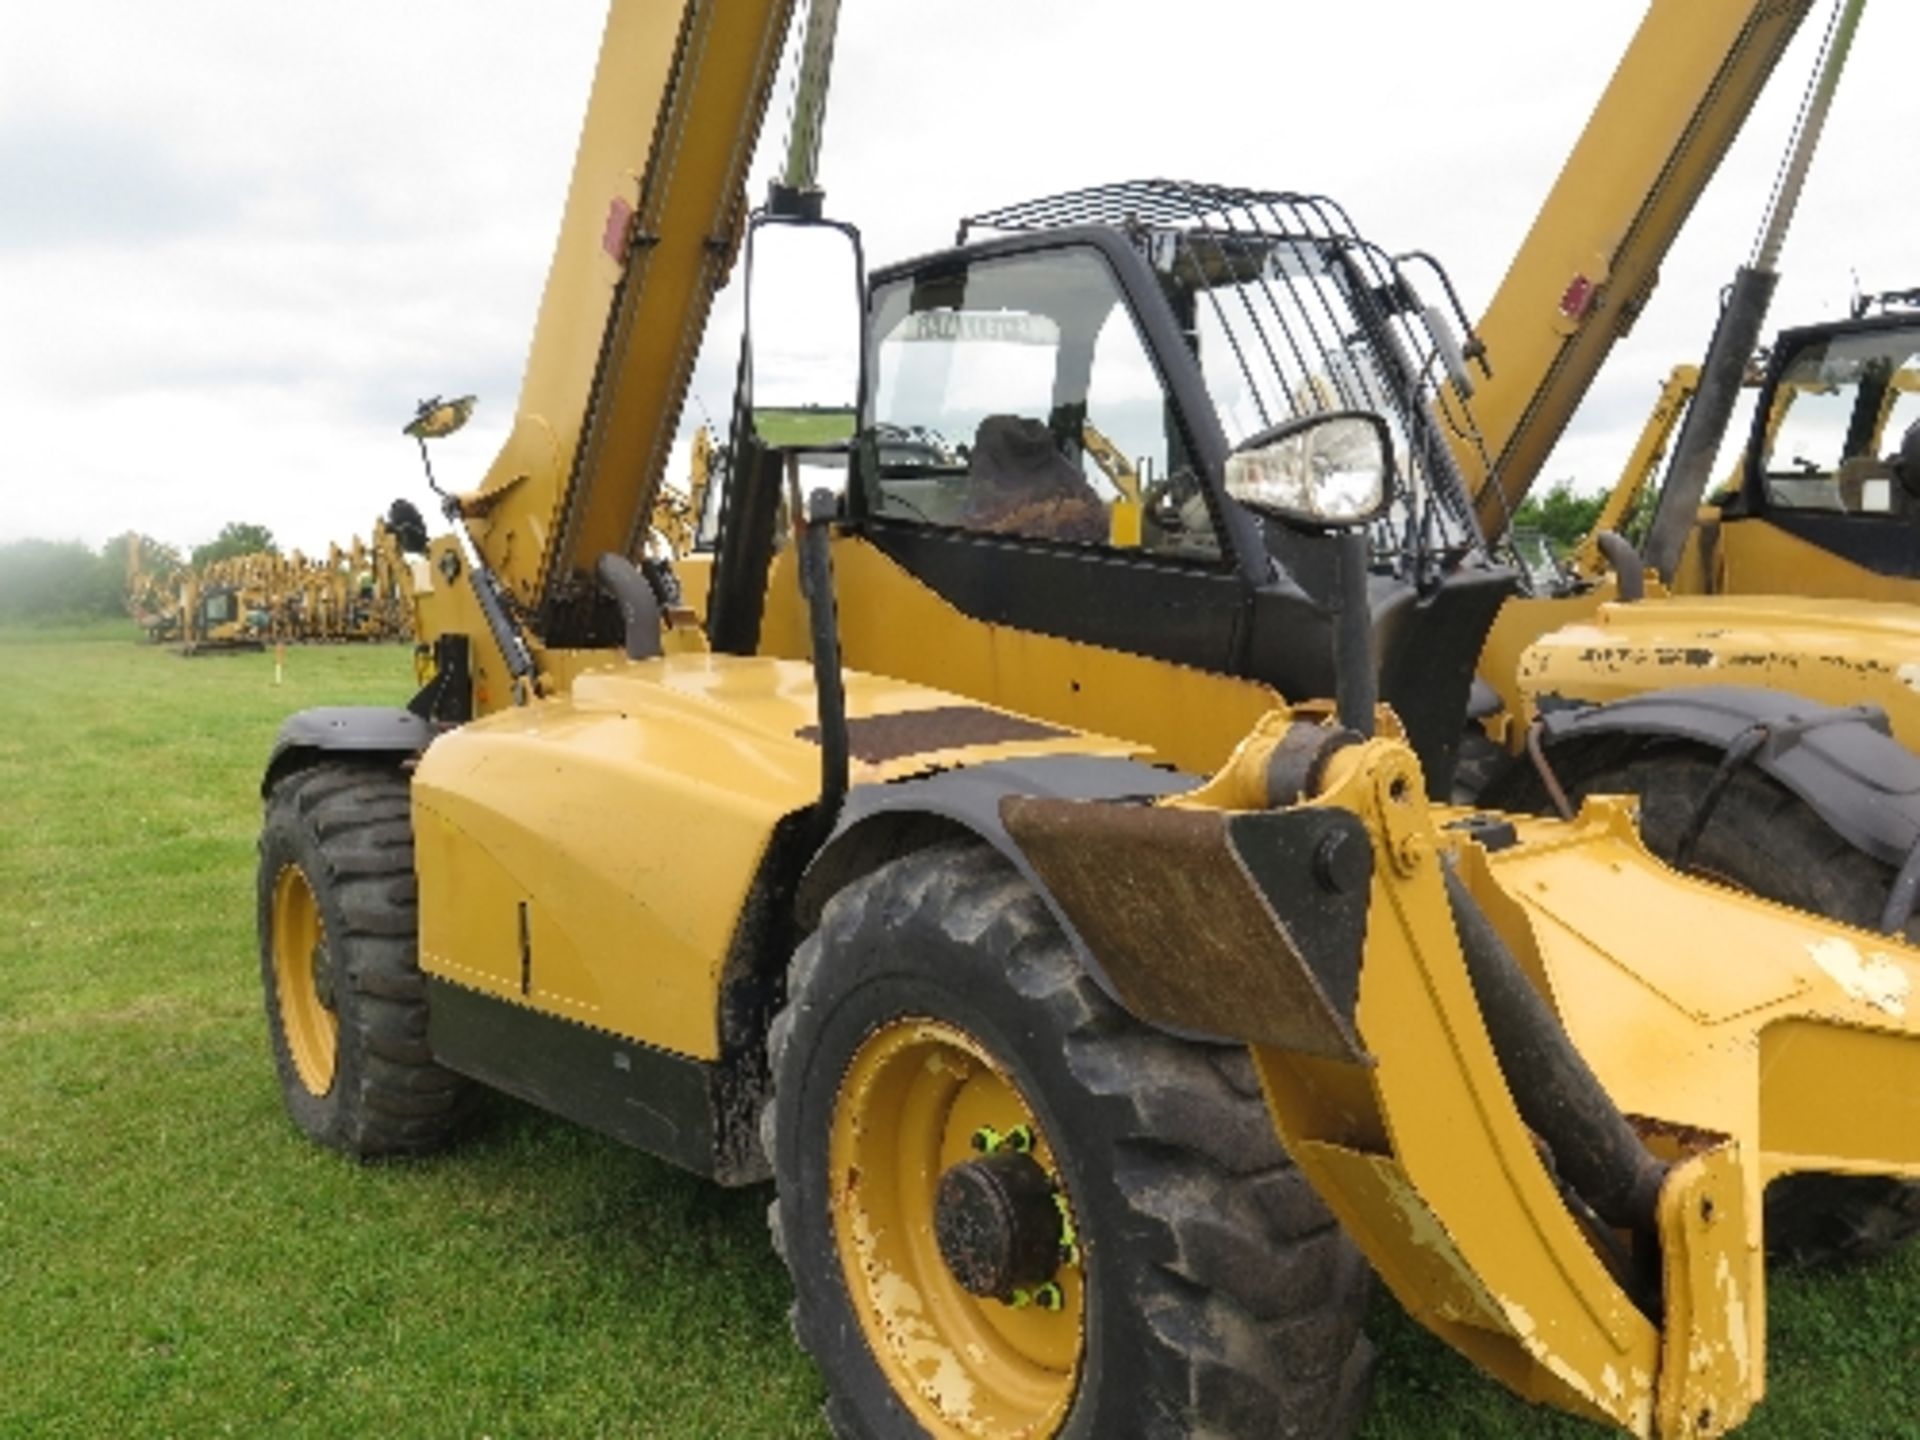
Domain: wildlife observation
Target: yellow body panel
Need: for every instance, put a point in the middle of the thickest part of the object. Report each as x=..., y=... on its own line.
x=1805, y=1054
x=1752, y=557
x=627, y=819
x=892, y=624
x=1519, y=623
x=695, y=573
x=1841, y=652
x=1701, y=1045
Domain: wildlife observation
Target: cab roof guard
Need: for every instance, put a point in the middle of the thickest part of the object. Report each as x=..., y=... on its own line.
x=1317, y=319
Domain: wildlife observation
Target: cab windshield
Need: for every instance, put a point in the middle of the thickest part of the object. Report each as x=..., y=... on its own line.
x=1015, y=396
x=1838, y=415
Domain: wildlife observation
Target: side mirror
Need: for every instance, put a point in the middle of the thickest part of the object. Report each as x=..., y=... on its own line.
x=1328, y=471
x=806, y=315
x=436, y=419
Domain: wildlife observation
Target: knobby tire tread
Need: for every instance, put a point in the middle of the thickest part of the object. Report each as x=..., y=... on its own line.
x=1253, y=1297
x=350, y=826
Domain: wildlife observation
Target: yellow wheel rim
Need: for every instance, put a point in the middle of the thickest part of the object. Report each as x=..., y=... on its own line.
x=303, y=980
x=914, y=1103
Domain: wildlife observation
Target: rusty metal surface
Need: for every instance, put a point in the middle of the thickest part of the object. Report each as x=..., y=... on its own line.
x=1182, y=930
x=877, y=739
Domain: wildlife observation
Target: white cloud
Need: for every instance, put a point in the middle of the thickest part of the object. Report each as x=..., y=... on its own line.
x=238, y=241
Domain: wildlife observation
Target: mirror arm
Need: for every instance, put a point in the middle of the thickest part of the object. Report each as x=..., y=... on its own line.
x=816, y=576
x=1356, y=684
x=784, y=202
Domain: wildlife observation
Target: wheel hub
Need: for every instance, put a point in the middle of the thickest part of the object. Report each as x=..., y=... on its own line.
x=945, y=1195
x=998, y=1225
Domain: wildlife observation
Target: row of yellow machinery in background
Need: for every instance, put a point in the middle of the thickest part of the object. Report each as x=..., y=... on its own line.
x=359, y=591
x=1030, y=823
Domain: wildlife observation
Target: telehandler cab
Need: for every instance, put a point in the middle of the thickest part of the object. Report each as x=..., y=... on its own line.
x=948, y=850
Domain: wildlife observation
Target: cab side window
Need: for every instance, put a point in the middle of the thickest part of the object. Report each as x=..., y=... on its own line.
x=1839, y=413
x=1016, y=397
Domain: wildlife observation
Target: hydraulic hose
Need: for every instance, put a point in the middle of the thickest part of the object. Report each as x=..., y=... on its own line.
x=1625, y=562
x=1594, y=1149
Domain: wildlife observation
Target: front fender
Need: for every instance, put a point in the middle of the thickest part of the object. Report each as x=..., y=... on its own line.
x=1843, y=762
x=363, y=731
x=878, y=823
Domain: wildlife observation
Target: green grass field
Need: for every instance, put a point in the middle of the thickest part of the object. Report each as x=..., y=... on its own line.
x=175, y=1261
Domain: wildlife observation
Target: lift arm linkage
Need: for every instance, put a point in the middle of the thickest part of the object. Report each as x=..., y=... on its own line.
x=1550, y=1137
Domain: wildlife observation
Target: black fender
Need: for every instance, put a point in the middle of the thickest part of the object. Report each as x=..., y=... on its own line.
x=879, y=823
x=369, y=732
x=1269, y=907
x=1843, y=762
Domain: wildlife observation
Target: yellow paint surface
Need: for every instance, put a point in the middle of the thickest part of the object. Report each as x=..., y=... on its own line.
x=629, y=817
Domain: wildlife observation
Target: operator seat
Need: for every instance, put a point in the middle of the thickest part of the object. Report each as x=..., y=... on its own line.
x=1018, y=483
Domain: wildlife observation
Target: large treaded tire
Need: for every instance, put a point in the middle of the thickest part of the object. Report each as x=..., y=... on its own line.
x=346, y=829
x=1221, y=1299
x=1766, y=840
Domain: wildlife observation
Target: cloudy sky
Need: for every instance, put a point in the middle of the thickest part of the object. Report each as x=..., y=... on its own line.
x=239, y=240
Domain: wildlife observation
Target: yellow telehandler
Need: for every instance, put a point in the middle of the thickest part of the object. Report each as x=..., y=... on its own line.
x=977, y=867
x=218, y=614
x=1799, y=576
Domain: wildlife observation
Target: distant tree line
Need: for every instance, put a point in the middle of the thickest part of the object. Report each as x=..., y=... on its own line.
x=1565, y=518
x=58, y=580
x=1559, y=514
x=46, y=580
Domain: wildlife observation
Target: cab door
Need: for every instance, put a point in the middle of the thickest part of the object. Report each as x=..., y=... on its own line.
x=1027, y=459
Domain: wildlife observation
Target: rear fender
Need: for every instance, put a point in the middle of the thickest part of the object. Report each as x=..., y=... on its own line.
x=1842, y=762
